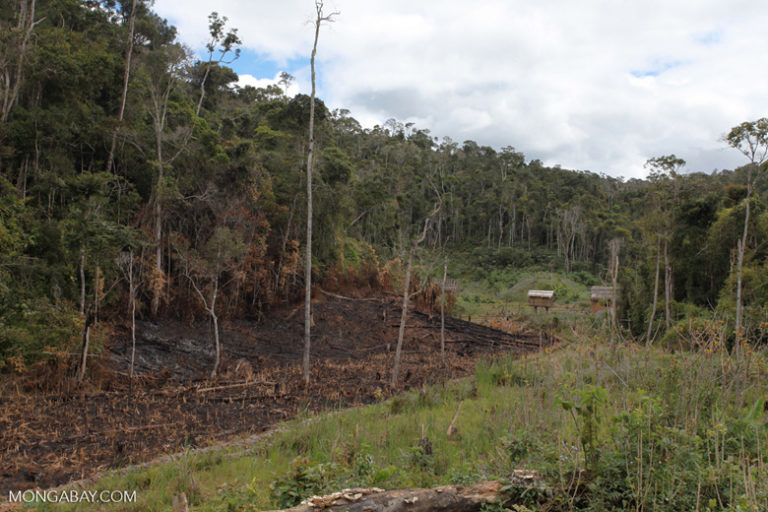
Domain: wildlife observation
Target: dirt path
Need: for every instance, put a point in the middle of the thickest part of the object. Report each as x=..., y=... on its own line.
x=48, y=440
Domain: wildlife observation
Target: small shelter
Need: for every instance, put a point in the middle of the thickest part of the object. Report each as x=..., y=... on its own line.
x=600, y=298
x=541, y=299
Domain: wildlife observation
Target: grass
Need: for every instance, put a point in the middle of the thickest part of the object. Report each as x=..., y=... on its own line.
x=610, y=426
x=505, y=291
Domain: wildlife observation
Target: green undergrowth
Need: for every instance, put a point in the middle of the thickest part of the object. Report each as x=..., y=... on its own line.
x=609, y=426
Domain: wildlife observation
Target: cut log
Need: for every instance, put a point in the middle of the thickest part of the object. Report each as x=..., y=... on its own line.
x=449, y=498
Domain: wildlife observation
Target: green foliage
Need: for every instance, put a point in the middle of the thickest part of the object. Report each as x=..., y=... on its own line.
x=33, y=330
x=585, y=412
x=303, y=480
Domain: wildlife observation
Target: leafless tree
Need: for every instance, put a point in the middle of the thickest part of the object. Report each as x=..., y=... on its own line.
x=406, y=290
x=319, y=20
x=126, y=262
x=655, y=293
x=126, y=76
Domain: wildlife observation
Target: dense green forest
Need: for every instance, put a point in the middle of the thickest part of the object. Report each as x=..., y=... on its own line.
x=130, y=167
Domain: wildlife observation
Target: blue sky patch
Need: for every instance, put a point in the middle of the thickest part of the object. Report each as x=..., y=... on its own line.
x=656, y=69
x=258, y=65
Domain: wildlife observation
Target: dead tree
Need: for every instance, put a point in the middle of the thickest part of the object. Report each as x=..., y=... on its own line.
x=86, y=342
x=442, y=310
x=319, y=19
x=406, y=291
x=667, y=288
x=615, y=245
x=126, y=264
x=655, y=294
x=126, y=76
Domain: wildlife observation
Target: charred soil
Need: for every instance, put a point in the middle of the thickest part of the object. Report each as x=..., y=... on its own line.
x=50, y=439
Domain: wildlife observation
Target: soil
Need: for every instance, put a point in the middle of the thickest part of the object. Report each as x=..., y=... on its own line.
x=50, y=439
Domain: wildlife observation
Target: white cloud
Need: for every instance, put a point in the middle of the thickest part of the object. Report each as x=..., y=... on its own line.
x=245, y=79
x=596, y=84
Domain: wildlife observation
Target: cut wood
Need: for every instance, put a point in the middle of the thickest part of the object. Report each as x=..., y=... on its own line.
x=448, y=498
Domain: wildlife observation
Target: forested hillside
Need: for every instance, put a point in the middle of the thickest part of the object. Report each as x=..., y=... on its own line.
x=130, y=168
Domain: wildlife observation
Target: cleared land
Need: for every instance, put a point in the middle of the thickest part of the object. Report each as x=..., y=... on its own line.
x=49, y=439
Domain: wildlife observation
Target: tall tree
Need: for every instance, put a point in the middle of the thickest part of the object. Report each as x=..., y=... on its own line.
x=162, y=68
x=319, y=19
x=220, y=42
x=126, y=76
x=751, y=139
x=13, y=50
x=664, y=173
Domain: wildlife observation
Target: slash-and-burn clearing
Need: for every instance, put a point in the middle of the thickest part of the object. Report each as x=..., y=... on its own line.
x=49, y=439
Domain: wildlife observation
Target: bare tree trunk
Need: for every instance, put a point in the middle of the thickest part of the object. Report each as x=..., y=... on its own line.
x=442, y=311
x=406, y=294
x=501, y=226
x=158, y=225
x=310, y=153
x=126, y=75
x=615, y=245
x=667, y=288
x=655, y=294
x=132, y=292
x=403, y=318
x=82, y=278
x=84, y=351
x=217, y=342
x=11, y=86
x=202, y=89
x=308, y=261
x=741, y=247
x=96, y=293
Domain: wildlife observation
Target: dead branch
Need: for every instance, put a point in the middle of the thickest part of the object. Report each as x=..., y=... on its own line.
x=238, y=385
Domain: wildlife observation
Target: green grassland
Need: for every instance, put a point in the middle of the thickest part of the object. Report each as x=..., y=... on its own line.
x=610, y=426
x=505, y=292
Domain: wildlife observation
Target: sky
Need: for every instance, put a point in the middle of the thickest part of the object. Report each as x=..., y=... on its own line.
x=598, y=85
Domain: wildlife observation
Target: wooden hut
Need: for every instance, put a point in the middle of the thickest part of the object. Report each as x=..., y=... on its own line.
x=601, y=298
x=541, y=299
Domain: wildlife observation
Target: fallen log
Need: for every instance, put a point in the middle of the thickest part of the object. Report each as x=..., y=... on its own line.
x=448, y=498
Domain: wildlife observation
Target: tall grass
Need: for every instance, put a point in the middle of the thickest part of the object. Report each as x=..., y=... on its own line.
x=667, y=432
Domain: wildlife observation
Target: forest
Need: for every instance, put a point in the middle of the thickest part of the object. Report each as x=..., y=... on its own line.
x=193, y=177
x=139, y=182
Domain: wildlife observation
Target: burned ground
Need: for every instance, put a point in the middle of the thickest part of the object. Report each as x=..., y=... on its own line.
x=49, y=439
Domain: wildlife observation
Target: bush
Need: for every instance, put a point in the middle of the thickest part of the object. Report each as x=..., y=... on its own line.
x=34, y=328
x=303, y=480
